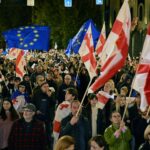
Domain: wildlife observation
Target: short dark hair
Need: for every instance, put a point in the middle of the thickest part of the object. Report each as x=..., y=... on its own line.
x=91, y=96
x=99, y=139
x=73, y=92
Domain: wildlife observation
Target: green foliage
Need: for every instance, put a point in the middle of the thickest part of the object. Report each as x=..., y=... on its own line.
x=64, y=22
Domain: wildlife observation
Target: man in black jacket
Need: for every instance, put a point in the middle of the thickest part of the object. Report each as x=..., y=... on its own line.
x=77, y=127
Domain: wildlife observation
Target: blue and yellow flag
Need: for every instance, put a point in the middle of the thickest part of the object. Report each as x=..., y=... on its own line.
x=78, y=38
x=28, y=37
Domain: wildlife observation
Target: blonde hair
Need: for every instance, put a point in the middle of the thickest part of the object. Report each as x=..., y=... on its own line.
x=64, y=142
x=146, y=132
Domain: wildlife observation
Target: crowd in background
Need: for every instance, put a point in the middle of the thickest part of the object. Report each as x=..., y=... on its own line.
x=39, y=111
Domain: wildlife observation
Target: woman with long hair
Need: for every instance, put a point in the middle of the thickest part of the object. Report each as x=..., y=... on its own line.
x=7, y=116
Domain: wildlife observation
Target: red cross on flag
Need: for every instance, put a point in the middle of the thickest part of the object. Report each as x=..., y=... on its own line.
x=101, y=41
x=141, y=82
x=86, y=52
x=115, y=50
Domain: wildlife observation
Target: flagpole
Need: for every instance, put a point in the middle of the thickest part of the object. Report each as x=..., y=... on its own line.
x=126, y=106
x=148, y=111
x=77, y=114
x=78, y=72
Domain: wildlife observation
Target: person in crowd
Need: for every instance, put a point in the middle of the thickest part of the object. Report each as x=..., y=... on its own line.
x=117, y=135
x=98, y=143
x=39, y=80
x=27, y=82
x=84, y=80
x=65, y=143
x=94, y=115
x=77, y=126
x=17, y=81
x=138, y=126
x=57, y=77
x=27, y=133
x=20, y=97
x=62, y=89
x=45, y=104
x=10, y=84
x=7, y=117
x=63, y=110
x=50, y=80
x=38, y=71
x=108, y=89
x=146, y=145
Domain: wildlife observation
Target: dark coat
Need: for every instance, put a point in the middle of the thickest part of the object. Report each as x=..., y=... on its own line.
x=101, y=122
x=145, y=146
x=44, y=104
x=80, y=131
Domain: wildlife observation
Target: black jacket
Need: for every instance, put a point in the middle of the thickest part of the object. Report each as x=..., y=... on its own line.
x=80, y=131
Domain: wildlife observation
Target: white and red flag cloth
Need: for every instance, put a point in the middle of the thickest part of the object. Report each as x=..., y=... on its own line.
x=101, y=41
x=86, y=52
x=20, y=64
x=18, y=54
x=13, y=53
x=141, y=82
x=115, y=50
x=63, y=110
x=103, y=98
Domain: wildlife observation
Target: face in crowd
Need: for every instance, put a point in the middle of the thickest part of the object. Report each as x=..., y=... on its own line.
x=68, y=96
x=75, y=107
x=116, y=118
x=67, y=79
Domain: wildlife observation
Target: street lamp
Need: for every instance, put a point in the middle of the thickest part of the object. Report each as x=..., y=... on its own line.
x=30, y=2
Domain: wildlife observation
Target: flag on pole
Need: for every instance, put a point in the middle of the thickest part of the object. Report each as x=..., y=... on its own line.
x=86, y=52
x=78, y=38
x=103, y=98
x=69, y=48
x=101, y=41
x=141, y=82
x=115, y=50
x=28, y=37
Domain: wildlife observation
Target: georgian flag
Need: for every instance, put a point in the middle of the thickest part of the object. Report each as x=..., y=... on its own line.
x=63, y=110
x=86, y=52
x=141, y=82
x=115, y=50
x=103, y=98
x=101, y=41
x=13, y=53
x=20, y=64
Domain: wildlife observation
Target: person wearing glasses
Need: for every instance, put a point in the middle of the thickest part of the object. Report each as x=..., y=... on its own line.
x=27, y=133
x=117, y=135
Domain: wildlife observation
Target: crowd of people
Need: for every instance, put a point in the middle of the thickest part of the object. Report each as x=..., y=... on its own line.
x=41, y=110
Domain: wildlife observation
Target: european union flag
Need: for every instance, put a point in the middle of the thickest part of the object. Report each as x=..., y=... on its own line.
x=69, y=48
x=28, y=37
x=78, y=38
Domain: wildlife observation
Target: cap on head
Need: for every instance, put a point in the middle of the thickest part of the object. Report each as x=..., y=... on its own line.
x=30, y=106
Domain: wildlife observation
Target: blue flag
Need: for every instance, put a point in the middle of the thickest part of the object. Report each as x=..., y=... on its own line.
x=78, y=38
x=69, y=48
x=28, y=37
